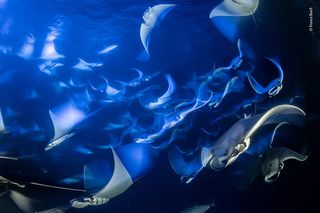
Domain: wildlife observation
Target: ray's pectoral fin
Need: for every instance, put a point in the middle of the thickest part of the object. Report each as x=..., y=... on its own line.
x=103, y=183
x=96, y=174
x=227, y=16
x=23, y=202
x=278, y=114
x=150, y=19
x=287, y=154
x=272, y=86
x=273, y=162
x=235, y=8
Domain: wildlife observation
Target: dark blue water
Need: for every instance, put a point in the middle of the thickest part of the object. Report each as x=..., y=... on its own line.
x=78, y=89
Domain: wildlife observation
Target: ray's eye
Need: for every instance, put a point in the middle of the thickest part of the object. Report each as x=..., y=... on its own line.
x=238, y=148
x=235, y=153
x=281, y=165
